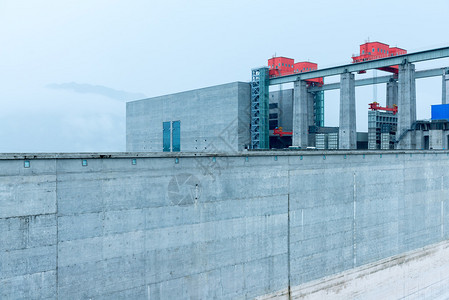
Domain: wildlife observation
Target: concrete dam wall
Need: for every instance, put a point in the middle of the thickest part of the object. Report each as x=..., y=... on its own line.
x=160, y=226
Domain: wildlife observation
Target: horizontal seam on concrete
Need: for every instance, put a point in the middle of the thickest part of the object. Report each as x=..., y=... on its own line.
x=28, y=216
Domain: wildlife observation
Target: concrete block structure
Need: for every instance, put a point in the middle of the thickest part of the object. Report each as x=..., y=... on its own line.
x=208, y=226
x=432, y=134
x=213, y=119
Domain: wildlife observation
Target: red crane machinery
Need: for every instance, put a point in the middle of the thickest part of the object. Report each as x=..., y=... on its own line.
x=376, y=106
x=377, y=50
x=282, y=66
x=281, y=133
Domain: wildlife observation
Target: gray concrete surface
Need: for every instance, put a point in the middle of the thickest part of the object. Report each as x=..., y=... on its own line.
x=347, y=134
x=445, y=90
x=186, y=226
x=300, y=115
x=213, y=119
x=419, y=274
x=406, y=106
x=437, y=139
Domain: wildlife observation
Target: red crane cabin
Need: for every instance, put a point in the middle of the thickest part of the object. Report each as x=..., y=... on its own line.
x=372, y=50
x=377, y=50
x=280, y=66
x=306, y=66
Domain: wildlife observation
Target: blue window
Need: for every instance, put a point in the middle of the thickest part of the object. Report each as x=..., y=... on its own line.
x=176, y=125
x=166, y=136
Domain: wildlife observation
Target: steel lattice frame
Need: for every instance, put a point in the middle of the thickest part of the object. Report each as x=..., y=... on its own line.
x=318, y=107
x=259, y=109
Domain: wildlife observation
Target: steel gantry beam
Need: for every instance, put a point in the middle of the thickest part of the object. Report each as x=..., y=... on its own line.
x=378, y=80
x=367, y=65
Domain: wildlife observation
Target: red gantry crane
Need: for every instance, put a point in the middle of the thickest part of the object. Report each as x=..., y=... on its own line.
x=377, y=50
x=281, y=133
x=376, y=106
x=282, y=66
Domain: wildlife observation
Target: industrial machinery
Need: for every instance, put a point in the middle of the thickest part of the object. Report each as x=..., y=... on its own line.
x=376, y=106
x=382, y=126
x=278, y=131
x=282, y=66
x=377, y=50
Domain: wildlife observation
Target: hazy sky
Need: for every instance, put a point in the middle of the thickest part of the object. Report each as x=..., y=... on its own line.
x=67, y=68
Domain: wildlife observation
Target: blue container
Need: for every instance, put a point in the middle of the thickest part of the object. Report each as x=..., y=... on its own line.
x=440, y=112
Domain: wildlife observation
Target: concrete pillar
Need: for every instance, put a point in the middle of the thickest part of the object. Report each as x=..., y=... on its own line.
x=310, y=119
x=347, y=132
x=406, y=106
x=300, y=114
x=392, y=93
x=445, y=93
x=310, y=114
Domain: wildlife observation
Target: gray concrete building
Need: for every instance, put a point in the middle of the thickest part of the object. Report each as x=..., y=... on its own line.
x=432, y=134
x=281, y=110
x=212, y=119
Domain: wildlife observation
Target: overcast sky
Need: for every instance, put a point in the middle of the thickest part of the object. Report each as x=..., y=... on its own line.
x=67, y=68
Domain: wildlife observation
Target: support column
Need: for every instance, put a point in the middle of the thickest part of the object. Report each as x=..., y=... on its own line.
x=300, y=115
x=392, y=93
x=310, y=113
x=406, y=107
x=347, y=138
x=310, y=119
x=445, y=97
